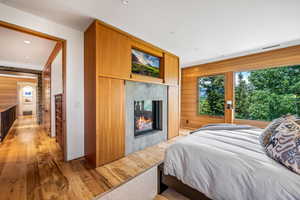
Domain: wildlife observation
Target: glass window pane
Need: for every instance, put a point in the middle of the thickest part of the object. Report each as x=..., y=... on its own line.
x=211, y=95
x=267, y=94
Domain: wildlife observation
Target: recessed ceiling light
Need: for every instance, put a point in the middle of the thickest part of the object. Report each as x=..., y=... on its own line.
x=125, y=2
x=27, y=42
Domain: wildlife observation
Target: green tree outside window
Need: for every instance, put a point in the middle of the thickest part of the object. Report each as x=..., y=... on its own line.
x=211, y=95
x=267, y=94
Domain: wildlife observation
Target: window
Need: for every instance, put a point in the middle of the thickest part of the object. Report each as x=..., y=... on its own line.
x=211, y=95
x=268, y=93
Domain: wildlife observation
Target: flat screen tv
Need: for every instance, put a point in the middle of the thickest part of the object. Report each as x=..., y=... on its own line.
x=144, y=63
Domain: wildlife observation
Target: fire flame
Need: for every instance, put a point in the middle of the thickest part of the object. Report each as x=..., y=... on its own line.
x=143, y=123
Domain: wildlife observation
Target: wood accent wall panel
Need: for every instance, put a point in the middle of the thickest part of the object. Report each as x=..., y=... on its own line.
x=275, y=58
x=111, y=120
x=47, y=99
x=60, y=137
x=173, y=111
x=229, y=96
x=189, y=101
x=171, y=69
x=189, y=118
x=107, y=66
x=114, y=53
x=90, y=74
x=8, y=89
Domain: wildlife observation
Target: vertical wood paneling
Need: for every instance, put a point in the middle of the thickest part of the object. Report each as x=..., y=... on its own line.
x=114, y=53
x=189, y=103
x=171, y=69
x=229, y=96
x=173, y=111
x=8, y=90
x=111, y=132
x=107, y=66
x=90, y=92
x=47, y=99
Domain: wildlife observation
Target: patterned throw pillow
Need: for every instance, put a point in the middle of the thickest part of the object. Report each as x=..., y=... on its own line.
x=284, y=146
x=297, y=121
x=266, y=135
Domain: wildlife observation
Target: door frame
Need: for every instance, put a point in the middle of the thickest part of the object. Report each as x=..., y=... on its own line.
x=63, y=43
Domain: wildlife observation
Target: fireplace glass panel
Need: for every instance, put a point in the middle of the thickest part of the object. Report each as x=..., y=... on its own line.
x=147, y=116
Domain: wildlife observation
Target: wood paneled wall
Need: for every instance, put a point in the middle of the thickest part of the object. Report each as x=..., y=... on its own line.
x=111, y=120
x=173, y=111
x=8, y=89
x=107, y=67
x=190, y=119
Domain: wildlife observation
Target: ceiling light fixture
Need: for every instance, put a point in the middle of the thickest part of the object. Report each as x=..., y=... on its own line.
x=27, y=42
x=125, y=2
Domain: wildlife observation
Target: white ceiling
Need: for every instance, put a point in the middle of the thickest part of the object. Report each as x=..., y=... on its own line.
x=14, y=52
x=198, y=31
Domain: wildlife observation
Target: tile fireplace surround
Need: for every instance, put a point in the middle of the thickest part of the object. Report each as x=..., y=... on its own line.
x=136, y=91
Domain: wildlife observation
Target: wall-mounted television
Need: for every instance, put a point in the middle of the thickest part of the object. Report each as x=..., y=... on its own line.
x=144, y=63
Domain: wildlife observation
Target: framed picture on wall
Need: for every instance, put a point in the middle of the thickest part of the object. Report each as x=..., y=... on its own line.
x=27, y=95
x=28, y=100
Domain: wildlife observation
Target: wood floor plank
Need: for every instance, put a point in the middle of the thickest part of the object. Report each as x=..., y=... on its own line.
x=32, y=167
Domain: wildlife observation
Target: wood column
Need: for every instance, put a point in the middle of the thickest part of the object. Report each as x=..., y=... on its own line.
x=229, y=96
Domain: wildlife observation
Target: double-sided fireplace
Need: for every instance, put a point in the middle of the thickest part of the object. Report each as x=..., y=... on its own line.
x=147, y=116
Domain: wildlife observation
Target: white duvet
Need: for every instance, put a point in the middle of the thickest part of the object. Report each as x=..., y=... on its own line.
x=230, y=165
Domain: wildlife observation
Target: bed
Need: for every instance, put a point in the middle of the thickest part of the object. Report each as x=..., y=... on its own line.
x=228, y=165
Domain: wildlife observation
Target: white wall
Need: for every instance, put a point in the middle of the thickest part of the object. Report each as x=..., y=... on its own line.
x=26, y=106
x=75, y=123
x=56, y=86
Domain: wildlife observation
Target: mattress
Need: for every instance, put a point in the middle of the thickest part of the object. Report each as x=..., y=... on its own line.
x=230, y=165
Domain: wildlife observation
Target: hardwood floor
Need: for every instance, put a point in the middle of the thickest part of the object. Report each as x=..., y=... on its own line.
x=32, y=167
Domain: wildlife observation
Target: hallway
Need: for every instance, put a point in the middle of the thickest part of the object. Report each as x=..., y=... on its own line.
x=30, y=163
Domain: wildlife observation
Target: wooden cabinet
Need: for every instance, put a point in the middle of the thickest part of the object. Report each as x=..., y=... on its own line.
x=60, y=137
x=107, y=65
x=173, y=111
x=171, y=69
x=114, y=53
x=107, y=59
x=110, y=120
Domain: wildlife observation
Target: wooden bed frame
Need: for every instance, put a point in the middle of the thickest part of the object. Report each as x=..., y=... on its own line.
x=165, y=181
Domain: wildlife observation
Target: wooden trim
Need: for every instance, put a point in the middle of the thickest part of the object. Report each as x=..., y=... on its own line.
x=147, y=79
x=29, y=31
x=260, y=124
x=53, y=55
x=229, y=96
x=145, y=48
x=137, y=78
x=64, y=64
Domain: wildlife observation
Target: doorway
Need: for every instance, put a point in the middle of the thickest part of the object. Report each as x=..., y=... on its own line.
x=36, y=101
